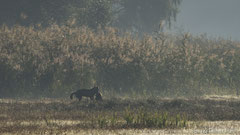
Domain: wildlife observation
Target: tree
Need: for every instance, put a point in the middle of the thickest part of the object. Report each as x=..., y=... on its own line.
x=139, y=15
x=30, y=12
x=145, y=15
x=92, y=13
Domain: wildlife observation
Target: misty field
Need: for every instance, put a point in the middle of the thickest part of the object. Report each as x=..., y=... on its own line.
x=47, y=64
x=208, y=115
x=152, y=81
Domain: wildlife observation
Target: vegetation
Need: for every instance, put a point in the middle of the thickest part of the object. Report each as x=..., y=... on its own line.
x=48, y=49
x=144, y=16
x=40, y=12
x=52, y=116
x=142, y=118
x=92, y=13
x=56, y=60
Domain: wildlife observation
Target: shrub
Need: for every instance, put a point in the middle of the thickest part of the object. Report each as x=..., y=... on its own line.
x=55, y=60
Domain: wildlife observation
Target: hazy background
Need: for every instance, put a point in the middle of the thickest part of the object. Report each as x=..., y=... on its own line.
x=213, y=17
x=51, y=48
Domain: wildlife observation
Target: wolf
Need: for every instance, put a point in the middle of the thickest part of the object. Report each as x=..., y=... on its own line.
x=98, y=96
x=85, y=93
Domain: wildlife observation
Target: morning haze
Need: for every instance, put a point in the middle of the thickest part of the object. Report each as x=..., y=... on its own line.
x=119, y=67
x=216, y=18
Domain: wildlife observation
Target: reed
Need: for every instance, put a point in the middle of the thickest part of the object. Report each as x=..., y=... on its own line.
x=53, y=61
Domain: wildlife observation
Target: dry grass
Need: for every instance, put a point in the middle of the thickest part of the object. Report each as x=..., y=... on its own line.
x=62, y=116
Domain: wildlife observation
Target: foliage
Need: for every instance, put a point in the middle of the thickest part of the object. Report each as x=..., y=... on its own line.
x=141, y=15
x=93, y=13
x=145, y=16
x=56, y=60
x=142, y=118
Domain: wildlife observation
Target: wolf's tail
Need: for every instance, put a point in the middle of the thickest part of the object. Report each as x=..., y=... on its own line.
x=71, y=96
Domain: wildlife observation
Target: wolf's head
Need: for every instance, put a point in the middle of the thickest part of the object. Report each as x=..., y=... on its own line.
x=98, y=97
x=95, y=89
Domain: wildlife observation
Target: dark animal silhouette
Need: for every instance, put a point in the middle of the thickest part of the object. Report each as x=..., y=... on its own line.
x=98, y=96
x=85, y=93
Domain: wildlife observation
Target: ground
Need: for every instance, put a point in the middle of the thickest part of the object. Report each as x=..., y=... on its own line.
x=205, y=115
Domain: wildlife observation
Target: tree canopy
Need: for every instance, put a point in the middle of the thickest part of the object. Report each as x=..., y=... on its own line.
x=141, y=15
x=145, y=15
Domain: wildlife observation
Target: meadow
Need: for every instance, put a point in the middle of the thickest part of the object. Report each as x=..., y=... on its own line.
x=206, y=115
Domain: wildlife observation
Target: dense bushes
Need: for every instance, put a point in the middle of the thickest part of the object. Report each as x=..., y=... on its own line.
x=56, y=60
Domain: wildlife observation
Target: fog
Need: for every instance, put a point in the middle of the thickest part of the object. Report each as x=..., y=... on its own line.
x=119, y=67
x=212, y=17
x=51, y=48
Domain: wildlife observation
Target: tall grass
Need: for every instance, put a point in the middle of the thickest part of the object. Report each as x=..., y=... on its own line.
x=53, y=61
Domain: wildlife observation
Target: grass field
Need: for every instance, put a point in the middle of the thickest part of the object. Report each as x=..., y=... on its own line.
x=206, y=115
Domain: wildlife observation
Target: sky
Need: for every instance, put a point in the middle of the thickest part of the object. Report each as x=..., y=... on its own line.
x=216, y=18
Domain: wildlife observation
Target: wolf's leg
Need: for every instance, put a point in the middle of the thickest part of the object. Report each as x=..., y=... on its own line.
x=80, y=98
